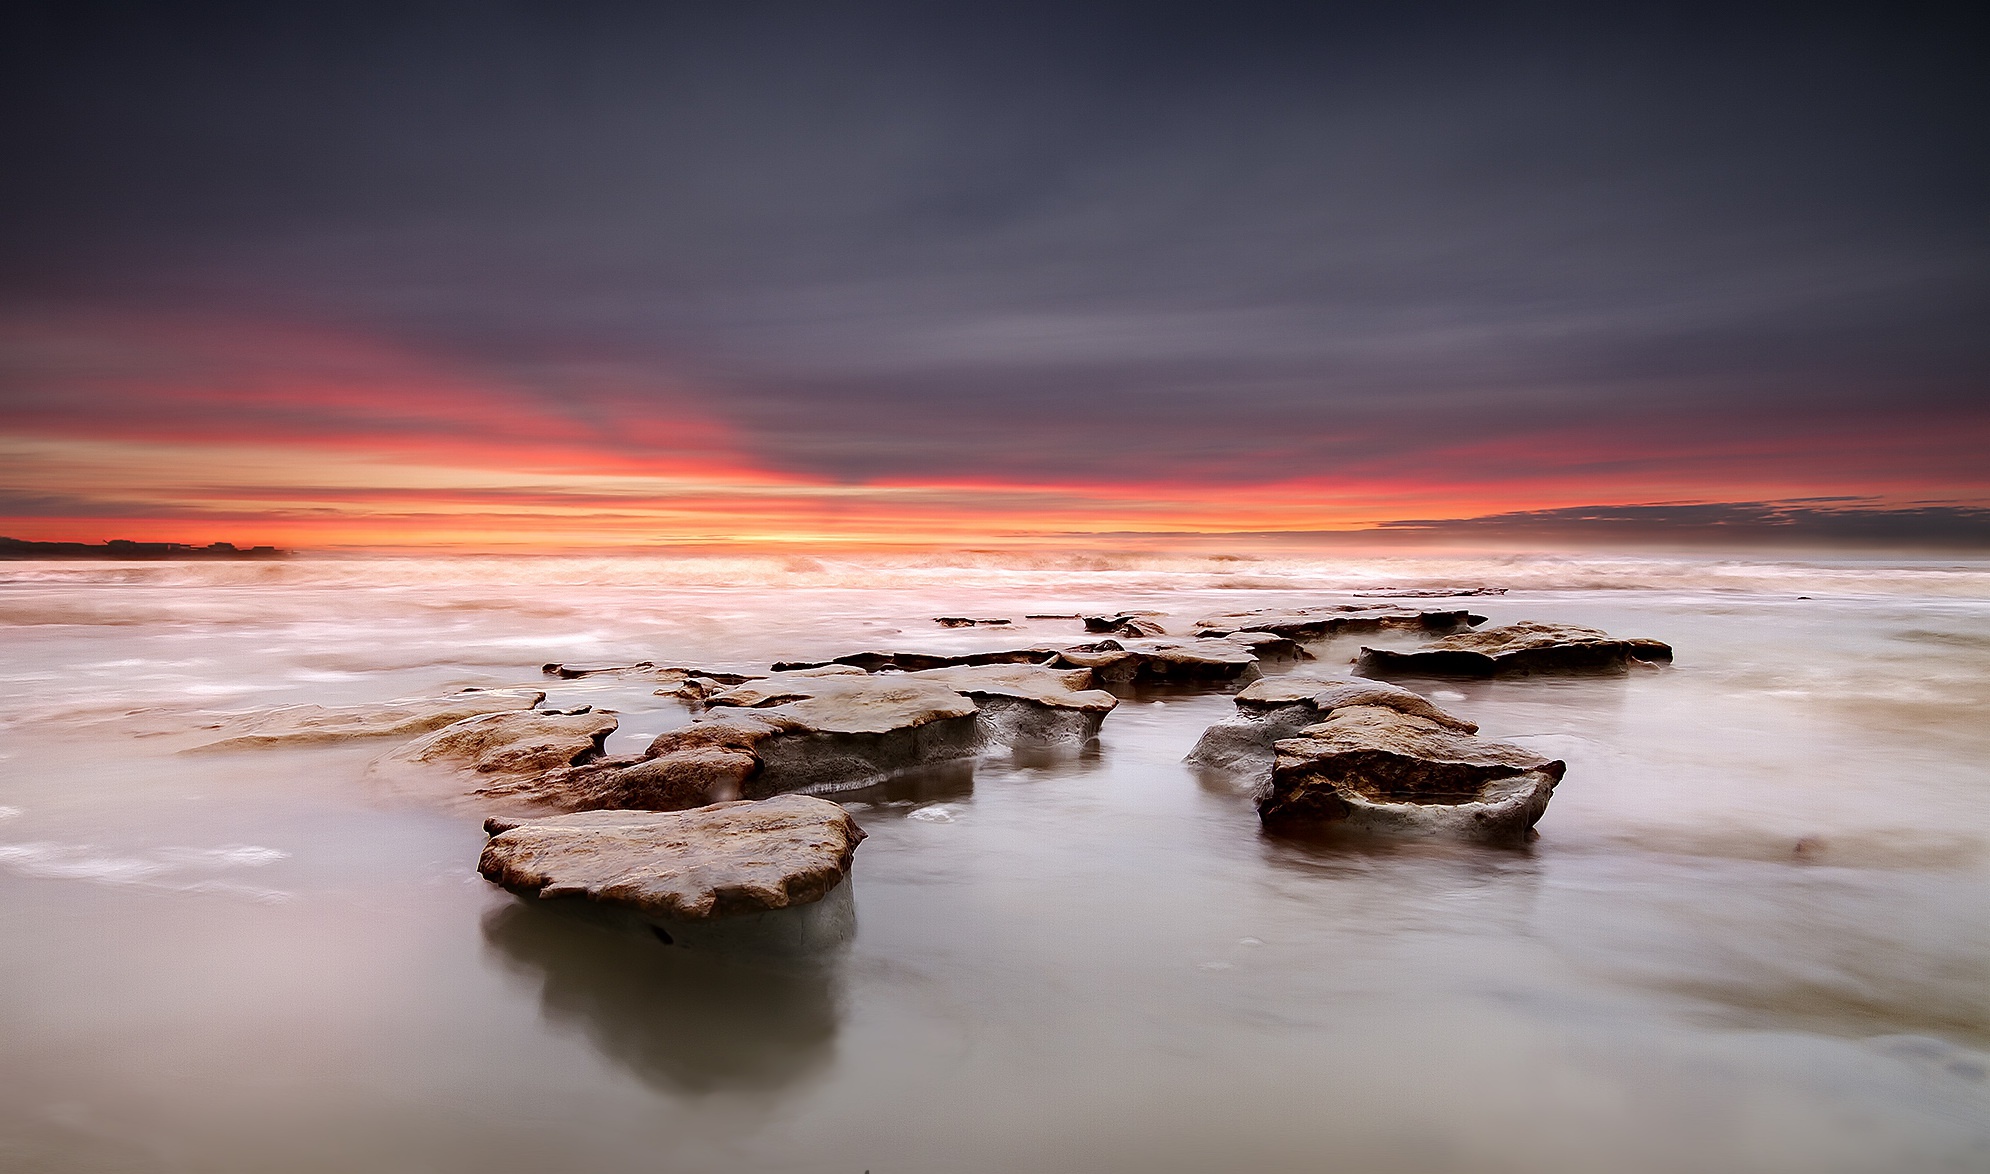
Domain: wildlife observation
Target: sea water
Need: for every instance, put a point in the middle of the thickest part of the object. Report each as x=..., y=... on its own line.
x=1753, y=934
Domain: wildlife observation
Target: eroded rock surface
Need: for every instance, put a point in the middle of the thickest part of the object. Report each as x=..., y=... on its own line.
x=1166, y=662
x=1319, y=623
x=1127, y=623
x=813, y=730
x=1381, y=769
x=1030, y=706
x=1280, y=707
x=403, y=718
x=507, y=749
x=1518, y=649
x=723, y=860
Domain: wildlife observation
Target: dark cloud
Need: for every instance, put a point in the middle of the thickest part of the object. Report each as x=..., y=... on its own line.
x=1230, y=241
x=1825, y=522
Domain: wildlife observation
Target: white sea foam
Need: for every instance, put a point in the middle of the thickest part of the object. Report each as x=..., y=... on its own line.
x=173, y=868
x=10, y=812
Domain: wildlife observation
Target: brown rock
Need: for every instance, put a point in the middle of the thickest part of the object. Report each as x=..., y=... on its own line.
x=1319, y=623
x=1523, y=648
x=1030, y=706
x=723, y=860
x=1280, y=707
x=509, y=748
x=307, y=724
x=1383, y=770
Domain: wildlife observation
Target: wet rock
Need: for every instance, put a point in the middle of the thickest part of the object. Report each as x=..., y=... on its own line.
x=967, y=622
x=823, y=729
x=912, y=662
x=574, y=671
x=1381, y=769
x=1264, y=645
x=408, y=716
x=1319, y=623
x=1430, y=592
x=1518, y=649
x=503, y=749
x=1280, y=707
x=1127, y=623
x=1158, y=662
x=723, y=860
x=1028, y=706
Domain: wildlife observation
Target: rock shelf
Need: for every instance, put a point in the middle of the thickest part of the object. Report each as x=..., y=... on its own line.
x=1380, y=769
x=1517, y=649
x=307, y=724
x=718, y=861
x=1319, y=623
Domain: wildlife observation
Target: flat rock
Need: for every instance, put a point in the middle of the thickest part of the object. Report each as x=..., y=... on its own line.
x=1384, y=770
x=1430, y=592
x=1280, y=707
x=875, y=661
x=1522, y=648
x=1127, y=623
x=1165, y=662
x=968, y=622
x=1029, y=706
x=505, y=750
x=1319, y=623
x=722, y=860
x=825, y=729
x=1263, y=645
x=402, y=718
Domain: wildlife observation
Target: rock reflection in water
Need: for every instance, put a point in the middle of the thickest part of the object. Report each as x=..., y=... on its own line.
x=684, y=1021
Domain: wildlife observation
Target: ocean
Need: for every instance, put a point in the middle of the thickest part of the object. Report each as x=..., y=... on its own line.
x=1753, y=933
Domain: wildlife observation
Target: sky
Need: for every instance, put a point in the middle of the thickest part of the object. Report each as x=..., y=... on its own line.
x=502, y=276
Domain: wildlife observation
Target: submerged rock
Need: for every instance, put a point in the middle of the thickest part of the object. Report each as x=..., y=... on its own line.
x=968, y=622
x=722, y=860
x=1521, y=648
x=1280, y=707
x=405, y=717
x=1029, y=706
x=1381, y=769
x=1318, y=623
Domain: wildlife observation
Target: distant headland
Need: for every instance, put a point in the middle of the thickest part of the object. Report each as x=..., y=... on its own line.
x=124, y=548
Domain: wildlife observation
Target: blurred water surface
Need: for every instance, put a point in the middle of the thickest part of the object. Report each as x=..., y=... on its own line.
x=1754, y=933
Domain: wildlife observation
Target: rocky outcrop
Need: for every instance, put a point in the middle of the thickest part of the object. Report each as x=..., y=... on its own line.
x=504, y=751
x=1218, y=660
x=813, y=730
x=672, y=680
x=1517, y=649
x=1264, y=645
x=1029, y=706
x=1136, y=663
x=1127, y=623
x=968, y=622
x=406, y=717
x=912, y=662
x=1430, y=592
x=1280, y=707
x=718, y=861
x=1380, y=769
x=1319, y=623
